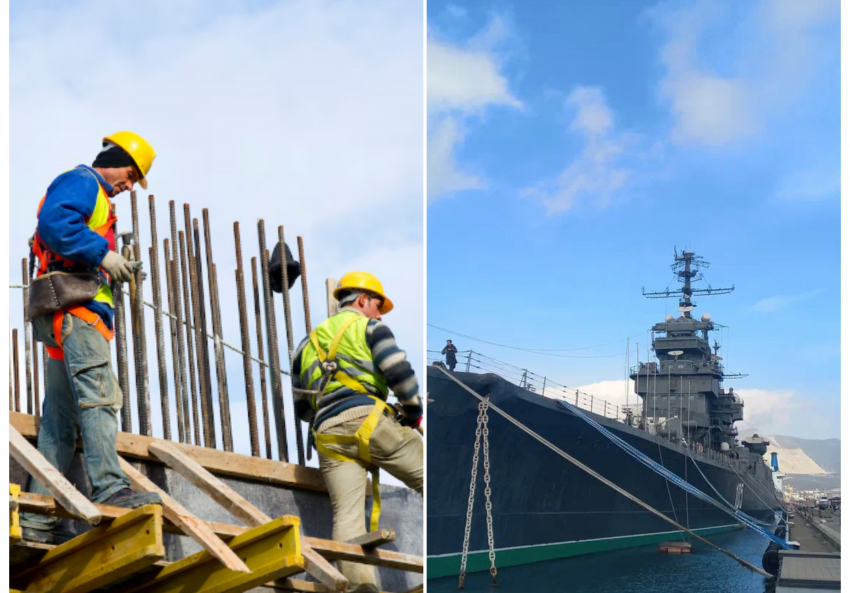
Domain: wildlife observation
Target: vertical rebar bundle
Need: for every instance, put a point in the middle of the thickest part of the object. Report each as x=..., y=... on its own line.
x=218, y=348
x=120, y=326
x=261, y=354
x=35, y=380
x=246, y=344
x=271, y=334
x=153, y=252
x=287, y=314
x=142, y=389
x=175, y=354
x=27, y=343
x=15, y=371
x=307, y=323
x=197, y=277
x=190, y=339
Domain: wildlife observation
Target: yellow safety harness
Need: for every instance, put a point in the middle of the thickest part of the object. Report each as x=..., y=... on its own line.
x=364, y=433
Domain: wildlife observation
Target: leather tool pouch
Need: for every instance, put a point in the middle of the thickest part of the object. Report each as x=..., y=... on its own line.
x=55, y=291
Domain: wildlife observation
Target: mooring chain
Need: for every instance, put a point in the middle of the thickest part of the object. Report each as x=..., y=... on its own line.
x=488, y=505
x=480, y=430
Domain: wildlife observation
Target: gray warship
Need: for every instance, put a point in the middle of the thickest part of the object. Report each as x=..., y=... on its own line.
x=545, y=508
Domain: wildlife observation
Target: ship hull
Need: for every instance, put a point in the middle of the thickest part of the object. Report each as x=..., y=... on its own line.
x=543, y=506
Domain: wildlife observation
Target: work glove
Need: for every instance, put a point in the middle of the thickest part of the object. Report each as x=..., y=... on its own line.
x=118, y=267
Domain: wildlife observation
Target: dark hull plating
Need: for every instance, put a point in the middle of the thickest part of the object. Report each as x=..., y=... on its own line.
x=545, y=507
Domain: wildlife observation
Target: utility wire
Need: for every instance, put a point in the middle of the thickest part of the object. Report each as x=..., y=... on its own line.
x=537, y=351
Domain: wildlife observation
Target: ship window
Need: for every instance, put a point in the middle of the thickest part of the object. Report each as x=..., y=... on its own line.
x=681, y=366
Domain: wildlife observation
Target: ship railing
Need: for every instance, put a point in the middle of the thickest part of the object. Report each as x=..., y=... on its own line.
x=470, y=361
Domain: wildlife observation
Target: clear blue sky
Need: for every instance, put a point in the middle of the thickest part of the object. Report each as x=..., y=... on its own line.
x=573, y=145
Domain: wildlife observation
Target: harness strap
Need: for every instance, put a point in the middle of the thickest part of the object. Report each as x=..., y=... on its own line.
x=330, y=357
x=361, y=437
x=79, y=312
x=55, y=353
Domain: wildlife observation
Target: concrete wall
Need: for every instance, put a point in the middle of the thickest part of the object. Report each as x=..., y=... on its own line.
x=401, y=509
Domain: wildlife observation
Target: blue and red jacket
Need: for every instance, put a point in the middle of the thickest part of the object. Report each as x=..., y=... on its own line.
x=62, y=224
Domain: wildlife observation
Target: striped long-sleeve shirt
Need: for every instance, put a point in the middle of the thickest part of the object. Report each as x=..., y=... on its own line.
x=390, y=360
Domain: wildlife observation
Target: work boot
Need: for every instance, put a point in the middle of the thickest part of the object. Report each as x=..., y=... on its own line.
x=128, y=499
x=46, y=536
x=365, y=588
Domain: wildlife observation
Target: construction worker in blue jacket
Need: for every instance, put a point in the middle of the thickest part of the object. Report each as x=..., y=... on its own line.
x=342, y=373
x=76, y=233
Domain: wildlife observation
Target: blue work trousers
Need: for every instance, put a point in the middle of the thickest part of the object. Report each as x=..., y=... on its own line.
x=82, y=396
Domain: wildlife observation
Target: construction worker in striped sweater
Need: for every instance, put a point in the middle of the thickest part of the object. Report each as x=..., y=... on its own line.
x=342, y=373
x=76, y=235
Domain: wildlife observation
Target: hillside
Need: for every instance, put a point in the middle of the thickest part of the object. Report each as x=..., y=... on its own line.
x=802, y=456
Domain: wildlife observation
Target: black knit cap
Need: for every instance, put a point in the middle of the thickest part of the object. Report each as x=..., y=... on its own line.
x=114, y=157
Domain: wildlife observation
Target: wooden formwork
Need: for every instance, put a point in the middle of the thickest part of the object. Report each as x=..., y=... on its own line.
x=125, y=551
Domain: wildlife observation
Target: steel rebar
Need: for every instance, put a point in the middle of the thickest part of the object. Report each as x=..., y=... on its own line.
x=35, y=378
x=261, y=354
x=287, y=315
x=153, y=254
x=177, y=361
x=27, y=343
x=246, y=344
x=190, y=351
x=11, y=384
x=202, y=328
x=218, y=349
x=271, y=335
x=143, y=391
x=44, y=357
x=121, y=355
x=16, y=371
x=307, y=323
x=178, y=304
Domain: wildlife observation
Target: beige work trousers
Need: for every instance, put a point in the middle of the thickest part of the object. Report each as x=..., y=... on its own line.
x=394, y=448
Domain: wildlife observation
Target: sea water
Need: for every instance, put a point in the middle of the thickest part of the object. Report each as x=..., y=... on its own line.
x=633, y=570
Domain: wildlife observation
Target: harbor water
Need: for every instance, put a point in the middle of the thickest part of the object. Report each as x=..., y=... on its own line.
x=633, y=570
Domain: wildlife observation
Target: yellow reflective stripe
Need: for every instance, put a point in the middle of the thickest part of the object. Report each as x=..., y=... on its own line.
x=100, y=216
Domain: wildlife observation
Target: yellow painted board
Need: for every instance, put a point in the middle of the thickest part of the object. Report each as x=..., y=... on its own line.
x=271, y=550
x=99, y=557
x=14, y=515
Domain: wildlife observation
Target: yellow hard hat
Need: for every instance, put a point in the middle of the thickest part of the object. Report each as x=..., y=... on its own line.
x=138, y=148
x=364, y=281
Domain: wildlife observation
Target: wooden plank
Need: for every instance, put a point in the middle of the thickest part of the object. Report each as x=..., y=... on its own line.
x=220, y=492
x=243, y=510
x=377, y=557
x=99, y=557
x=298, y=585
x=245, y=467
x=192, y=526
x=374, y=538
x=330, y=550
x=272, y=551
x=14, y=514
x=333, y=305
x=48, y=476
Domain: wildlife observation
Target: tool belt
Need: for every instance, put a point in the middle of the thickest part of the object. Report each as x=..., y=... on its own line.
x=57, y=291
x=361, y=437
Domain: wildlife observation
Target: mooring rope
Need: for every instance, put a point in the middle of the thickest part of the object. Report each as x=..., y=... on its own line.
x=745, y=519
x=606, y=481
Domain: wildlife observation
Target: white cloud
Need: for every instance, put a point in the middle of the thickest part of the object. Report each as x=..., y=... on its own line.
x=809, y=184
x=601, y=168
x=464, y=81
x=444, y=174
x=769, y=56
x=779, y=302
x=305, y=114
